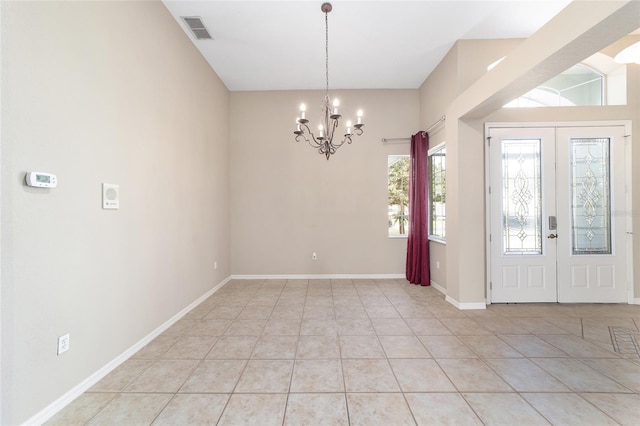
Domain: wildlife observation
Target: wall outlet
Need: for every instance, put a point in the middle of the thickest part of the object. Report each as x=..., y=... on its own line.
x=63, y=344
x=314, y=256
x=215, y=265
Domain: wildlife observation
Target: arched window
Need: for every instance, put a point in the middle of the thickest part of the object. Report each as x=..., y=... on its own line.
x=580, y=85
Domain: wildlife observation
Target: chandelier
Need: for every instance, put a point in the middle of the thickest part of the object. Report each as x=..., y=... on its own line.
x=330, y=118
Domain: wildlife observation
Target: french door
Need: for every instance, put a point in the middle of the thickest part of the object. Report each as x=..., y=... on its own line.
x=556, y=198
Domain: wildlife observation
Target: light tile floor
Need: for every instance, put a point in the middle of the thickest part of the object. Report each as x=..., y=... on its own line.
x=374, y=352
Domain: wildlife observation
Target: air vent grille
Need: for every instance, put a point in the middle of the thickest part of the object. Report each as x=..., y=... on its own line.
x=197, y=27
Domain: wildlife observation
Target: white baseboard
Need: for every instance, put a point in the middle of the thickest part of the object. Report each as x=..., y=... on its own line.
x=635, y=301
x=439, y=287
x=465, y=306
x=319, y=276
x=87, y=383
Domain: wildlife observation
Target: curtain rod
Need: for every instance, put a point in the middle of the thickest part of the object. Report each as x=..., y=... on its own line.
x=395, y=140
x=440, y=120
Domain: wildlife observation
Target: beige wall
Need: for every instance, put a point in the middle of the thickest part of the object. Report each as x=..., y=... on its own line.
x=91, y=95
x=288, y=201
x=462, y=66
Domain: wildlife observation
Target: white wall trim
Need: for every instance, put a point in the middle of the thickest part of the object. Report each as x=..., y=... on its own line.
x=439, y=287
x=487, y=212
x=319, y=276
x=466, y=306
x=636, y=301
x=628, y=142
x=53, y=408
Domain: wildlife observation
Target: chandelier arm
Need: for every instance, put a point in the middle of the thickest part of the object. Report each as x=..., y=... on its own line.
x=333, y=129
x=313, y=143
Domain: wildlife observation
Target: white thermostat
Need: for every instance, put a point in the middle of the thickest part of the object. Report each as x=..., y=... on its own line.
x=41, y=180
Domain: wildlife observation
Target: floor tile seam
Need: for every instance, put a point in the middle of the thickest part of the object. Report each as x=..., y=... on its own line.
x=148, y=393
x=159, y=356
x=542, y=336
x=502, y=337
x=604, y=372
x=457, y=336
x=610, y=350
x=522, y=398
x=344, y=384
x=457, y=390
x=130, y=381
x=502, y=341
x=163, y=408
x=416, y=337
x=485, y=364
x=380, y=345
x=87, y=421
x=585, y=365
x=226, y=404
x=188, y=376
x=244, y=369
x=465, y=401
x=449, y=328
x=574, y=393
x=404, y=397
x=293, y=370
x=607, y=414
x=395, y=377
x=155, y=361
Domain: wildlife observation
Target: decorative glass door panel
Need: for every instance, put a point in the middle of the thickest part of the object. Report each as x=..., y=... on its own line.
x=521, y=196
x=590, y=195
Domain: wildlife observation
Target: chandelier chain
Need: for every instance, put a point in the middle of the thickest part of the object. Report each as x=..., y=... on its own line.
x=326, y=48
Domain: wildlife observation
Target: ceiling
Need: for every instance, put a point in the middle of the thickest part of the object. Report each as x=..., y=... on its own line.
x=279, y=45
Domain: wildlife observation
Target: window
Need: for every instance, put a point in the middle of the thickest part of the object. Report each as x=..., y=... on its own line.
x=580, y=85
x=437, y=192
x=398, y=195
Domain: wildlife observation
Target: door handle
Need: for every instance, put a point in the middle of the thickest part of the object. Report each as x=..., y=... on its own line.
x=552, y=236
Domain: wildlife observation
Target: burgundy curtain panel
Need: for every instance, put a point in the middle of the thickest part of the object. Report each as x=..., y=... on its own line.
x=418, y=244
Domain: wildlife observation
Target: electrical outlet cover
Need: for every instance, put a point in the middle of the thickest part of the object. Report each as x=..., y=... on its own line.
x=63, y=343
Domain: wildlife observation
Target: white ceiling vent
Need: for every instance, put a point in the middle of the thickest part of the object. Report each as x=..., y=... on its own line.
x=197, y=27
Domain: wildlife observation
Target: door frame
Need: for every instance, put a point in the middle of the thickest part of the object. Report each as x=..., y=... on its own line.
x=628, y=184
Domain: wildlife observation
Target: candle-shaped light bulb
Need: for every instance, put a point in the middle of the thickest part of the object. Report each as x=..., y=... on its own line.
x=321, y=128
x=348, y=127
x=336, y=103
x=359, y=116
x=303, y=109
x=298, y=122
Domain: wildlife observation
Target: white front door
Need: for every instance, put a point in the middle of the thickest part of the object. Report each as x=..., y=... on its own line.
x=557, y=195
x=590, y=186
